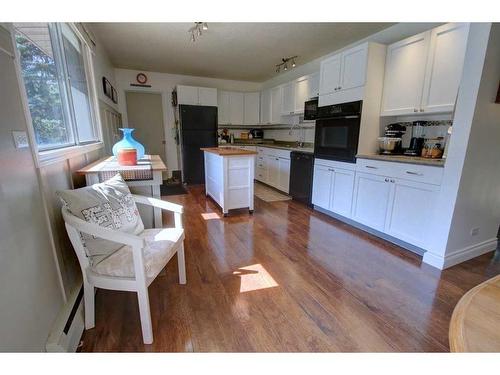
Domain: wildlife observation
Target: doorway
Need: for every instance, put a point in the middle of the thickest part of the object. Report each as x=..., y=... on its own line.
x=145, y=114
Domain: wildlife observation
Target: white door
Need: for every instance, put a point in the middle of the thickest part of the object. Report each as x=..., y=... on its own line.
x=302, y=91
x=265, y=107
x=272, y=166
x=354, y=67
x=371, y=200
x=251, y=108
x=207, y=96
x=236, y=108
x=342, y=190
x=288, y=98
x=330, y=74
x=223, y=107
x=404, y=75
x=322, y=186
x=411, y=210
x=187, y=95
x=444, y=67
x=276, y=105
x=284, y=174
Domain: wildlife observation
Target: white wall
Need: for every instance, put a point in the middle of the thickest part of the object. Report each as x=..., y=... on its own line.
x=165, y=83
x=470, y=196
x=30, y=293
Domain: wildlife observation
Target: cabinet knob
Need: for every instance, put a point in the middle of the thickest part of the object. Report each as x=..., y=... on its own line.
x=386, y=180
x=421, y=110
x=415, y=110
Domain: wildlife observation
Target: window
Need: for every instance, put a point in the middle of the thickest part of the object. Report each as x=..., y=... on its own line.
x=53, y=63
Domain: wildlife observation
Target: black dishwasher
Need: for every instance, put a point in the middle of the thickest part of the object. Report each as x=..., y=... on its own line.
x=301, y=176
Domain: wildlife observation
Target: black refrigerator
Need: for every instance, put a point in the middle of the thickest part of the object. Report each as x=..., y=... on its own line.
x=198, y=128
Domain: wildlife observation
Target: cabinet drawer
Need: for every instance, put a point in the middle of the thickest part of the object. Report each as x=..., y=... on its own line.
x=381, y=168
x=261, y=174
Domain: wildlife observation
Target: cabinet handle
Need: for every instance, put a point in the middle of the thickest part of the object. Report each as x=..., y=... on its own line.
x=415, y=173
x=331, y=170
x=393, y=181
x=386, y=179
x=370, y=167
x=421, y=110
x=415, y=110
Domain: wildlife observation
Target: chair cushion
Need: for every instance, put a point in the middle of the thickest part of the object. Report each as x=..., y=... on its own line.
x=108, y=204
x=160, y=246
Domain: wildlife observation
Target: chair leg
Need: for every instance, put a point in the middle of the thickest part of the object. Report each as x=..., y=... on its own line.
x=145, y=312
x=181, y=263
x=89, y=304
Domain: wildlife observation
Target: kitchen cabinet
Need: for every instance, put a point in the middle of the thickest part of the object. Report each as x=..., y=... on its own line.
x=223, y=107
x=305, y=88
x=265, y=107
x=372, y=197
x=288, y=98
x=423, y=72
x=444, y=67
x=272, y=167
x=251, y=108
x=344, y=71
x=276, y=105
x=197, y=95
x=283, y=174
x=236, y=108
x=333, y=188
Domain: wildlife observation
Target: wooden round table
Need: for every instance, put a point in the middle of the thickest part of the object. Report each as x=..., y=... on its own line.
x=475, y=323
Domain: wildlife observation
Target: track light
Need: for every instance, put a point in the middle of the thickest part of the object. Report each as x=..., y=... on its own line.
x=197, y=30
x=284, y=63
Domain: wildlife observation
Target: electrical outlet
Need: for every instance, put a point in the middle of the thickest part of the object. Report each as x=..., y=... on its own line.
x=474, y=231
x=20, y=139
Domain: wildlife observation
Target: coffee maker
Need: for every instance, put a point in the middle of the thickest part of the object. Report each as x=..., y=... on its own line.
x=417, y=139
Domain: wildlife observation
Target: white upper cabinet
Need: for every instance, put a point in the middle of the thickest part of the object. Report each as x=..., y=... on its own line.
x=313, y=85
x=276, y=105
x=265, y=107
x=305, y=88
x=236, y=108
x=196, y=95
x=354, y=67
x=223, y=107
x=444, y=67
x=404, y=75
x=330, y=74
x=251, y=108
x=288, y=98
x=207, y=96
x=423, y=72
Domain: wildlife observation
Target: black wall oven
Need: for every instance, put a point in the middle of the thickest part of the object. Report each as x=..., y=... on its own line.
x=337, y=131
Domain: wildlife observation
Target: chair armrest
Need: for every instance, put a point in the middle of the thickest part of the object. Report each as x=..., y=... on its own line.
x=101, y=232
x=158, y=203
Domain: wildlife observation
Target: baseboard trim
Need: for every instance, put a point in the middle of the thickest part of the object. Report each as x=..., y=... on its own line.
x=469, y=252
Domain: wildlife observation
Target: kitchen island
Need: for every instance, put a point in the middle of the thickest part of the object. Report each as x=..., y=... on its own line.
x=229, y=175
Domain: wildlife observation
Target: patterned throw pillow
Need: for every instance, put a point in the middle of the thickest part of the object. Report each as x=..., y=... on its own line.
x=108, y=204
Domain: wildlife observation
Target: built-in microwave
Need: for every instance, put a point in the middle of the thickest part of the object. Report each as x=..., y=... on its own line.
x=311, y=109
x=337, y=131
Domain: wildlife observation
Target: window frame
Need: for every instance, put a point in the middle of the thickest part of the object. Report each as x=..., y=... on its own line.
x=55, y=153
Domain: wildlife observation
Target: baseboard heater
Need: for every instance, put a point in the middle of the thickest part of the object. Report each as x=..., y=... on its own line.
x=68, y=328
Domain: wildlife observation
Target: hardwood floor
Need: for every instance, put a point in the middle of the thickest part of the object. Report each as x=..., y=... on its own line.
x=287, y=278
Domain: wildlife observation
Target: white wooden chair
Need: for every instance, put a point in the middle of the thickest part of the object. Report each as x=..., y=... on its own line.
x=129, y=268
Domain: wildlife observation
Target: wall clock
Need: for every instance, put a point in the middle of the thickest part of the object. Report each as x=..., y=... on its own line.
x=141, y=78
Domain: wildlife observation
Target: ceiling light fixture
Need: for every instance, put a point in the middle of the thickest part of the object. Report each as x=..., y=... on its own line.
x=197, y=30
x=284, y=63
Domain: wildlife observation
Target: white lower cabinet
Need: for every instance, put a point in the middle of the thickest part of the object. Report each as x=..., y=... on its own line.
x=284, y=174
x=273, y=168
x=272, y=165
x=372, y=198
x=333, y=188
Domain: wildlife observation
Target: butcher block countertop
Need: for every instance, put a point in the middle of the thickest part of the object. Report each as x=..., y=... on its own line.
x=227, y=151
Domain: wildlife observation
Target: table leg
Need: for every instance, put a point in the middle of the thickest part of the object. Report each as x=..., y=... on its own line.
x=155, y=192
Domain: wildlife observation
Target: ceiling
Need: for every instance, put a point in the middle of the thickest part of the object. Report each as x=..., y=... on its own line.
x=239, y=51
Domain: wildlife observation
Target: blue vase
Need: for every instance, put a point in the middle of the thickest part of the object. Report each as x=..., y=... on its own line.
x=128, y=142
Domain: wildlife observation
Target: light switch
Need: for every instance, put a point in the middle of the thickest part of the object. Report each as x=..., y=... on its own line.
x=20, y=139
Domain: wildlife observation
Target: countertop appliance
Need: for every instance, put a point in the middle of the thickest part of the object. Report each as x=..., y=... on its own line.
x=198, y=128
x=417, y=139
x=390, y=143
x=257, y=133
x=301, y=176
x=311, y=109
x=337, y=131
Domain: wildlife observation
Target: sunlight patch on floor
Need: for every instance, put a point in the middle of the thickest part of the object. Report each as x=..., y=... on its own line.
x=210, y=216
x=254, y=277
